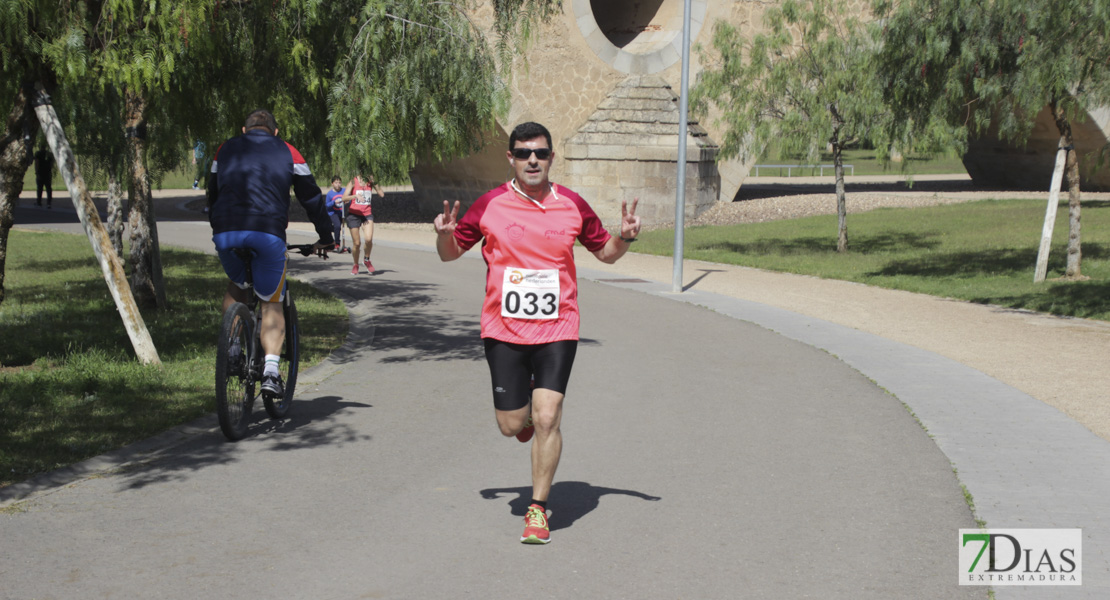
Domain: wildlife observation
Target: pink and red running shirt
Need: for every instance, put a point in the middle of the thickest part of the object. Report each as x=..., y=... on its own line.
x=361, y=204
x=529, y=243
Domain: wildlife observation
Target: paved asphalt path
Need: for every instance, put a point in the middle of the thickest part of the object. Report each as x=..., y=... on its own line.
x=705, y=457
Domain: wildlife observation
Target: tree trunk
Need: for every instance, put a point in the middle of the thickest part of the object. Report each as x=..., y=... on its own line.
x=1075, y=252
x=110, y=264
x=841, y=201
x=1071, y=169
x=115, y=211
x=1041, y=271
x=16, y=147
x=146, y=261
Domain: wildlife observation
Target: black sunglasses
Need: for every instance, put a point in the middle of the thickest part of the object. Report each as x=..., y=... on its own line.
x=524, y=153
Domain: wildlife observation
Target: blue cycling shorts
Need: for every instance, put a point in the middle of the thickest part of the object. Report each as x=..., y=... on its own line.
x=267, y=267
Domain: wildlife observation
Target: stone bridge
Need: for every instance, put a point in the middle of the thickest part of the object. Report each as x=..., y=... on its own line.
x=604, y=77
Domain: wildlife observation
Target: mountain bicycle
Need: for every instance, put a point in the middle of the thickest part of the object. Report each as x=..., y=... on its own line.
x=240, y=357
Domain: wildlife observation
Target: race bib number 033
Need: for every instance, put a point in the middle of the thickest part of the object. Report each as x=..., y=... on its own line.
x=530, y=293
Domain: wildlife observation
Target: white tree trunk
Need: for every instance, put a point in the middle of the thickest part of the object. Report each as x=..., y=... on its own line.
x=1050, y=216
x=110, y=263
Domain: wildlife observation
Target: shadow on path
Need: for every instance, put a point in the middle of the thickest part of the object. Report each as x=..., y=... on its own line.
x=704, y=273
x=576, y=499
x=292, y=433
x=407, y=319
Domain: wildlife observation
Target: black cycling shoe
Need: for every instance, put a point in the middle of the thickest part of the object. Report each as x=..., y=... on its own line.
x=272, y=384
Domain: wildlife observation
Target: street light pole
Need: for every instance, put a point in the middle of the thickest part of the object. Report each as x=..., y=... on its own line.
x=680, y=195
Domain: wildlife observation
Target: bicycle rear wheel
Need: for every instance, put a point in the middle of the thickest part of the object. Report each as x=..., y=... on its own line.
x=289, y=364
x=234, y=381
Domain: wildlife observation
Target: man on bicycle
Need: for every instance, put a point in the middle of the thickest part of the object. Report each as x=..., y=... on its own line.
x=248, y=200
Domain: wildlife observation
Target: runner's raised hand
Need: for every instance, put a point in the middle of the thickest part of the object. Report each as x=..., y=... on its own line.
x=445, y=223
x=630, y=223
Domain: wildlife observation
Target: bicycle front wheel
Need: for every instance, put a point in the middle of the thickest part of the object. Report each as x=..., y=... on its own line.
x=234, y=381
x=289, y=363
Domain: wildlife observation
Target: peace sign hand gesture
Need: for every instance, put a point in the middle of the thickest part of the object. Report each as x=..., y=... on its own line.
x=630, y=223
x=445, y=223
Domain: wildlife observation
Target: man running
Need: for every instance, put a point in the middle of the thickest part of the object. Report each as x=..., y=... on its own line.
x=248, y=199
x=530, y=314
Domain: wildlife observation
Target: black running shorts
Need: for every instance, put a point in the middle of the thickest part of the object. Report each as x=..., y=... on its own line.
x=354, y=220
x=512, y=366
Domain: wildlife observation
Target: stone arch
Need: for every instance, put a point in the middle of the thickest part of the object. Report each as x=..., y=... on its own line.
x=638, y=37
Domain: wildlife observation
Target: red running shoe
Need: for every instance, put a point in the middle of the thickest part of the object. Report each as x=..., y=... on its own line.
x=369, y=267
x=526, y=433
x=354, y=270
x=535, y=526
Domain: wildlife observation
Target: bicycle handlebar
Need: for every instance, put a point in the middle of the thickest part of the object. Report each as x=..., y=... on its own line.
x=309, y=249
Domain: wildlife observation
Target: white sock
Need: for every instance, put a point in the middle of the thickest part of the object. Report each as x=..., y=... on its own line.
x=271, y=367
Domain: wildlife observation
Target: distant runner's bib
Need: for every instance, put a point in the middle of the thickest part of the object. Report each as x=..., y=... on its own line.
x=530, y=293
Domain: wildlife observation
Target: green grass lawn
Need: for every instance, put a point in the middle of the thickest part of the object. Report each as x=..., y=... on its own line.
x=70, y=387
x=864, y=163
x=983, y=252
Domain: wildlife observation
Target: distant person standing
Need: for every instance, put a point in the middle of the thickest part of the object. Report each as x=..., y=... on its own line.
x=201, y=162
x=44, y=176
x=360, y=219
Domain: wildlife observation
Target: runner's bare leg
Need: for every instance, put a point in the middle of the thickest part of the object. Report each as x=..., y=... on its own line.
x=512, y=421
x=367, y=230
x=356, y=244
x=547, y=446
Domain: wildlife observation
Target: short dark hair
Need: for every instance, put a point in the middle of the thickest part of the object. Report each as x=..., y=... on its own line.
x=528, y=131
x=336, y=178
x=261, y=118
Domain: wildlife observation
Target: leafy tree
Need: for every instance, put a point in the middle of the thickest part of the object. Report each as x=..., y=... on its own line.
x=417, y=83
x=808, y=83
x=102, y=148
x=95, y=55
x=16, y=153
x=997, y=63
x=371, y=85
x=21, y=40
x=133, y=48
x=357, y=85
x=367, y=85
x=110, y=264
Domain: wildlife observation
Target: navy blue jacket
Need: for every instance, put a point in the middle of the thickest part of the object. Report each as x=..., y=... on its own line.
x=248, y=188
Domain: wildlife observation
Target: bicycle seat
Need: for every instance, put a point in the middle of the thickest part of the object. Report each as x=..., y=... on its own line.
x=245, y=253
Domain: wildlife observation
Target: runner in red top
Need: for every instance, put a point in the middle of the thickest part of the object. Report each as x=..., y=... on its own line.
x=530, y=314
x=360, y=219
